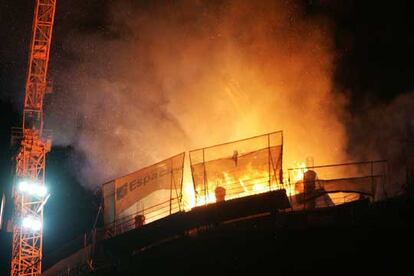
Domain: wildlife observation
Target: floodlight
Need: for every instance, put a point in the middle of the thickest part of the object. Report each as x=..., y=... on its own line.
x=32, y=188
x=32, y=223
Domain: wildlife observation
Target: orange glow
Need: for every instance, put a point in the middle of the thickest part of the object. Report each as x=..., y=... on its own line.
x=252, y=182
x=295, y=176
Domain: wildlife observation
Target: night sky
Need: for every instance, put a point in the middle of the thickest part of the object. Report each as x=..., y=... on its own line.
x=373, y=43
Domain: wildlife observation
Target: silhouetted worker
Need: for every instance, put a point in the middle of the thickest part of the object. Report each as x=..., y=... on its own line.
x=220, y=194
x=235, y=156
x=309, y=182
x=139, y=221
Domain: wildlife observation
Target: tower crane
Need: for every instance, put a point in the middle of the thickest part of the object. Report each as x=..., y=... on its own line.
x=29, y=192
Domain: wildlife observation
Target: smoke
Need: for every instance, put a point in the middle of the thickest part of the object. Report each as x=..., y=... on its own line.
x=161, y=78
x=385, y=131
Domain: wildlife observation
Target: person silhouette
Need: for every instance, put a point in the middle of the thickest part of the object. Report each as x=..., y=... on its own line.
x=220, y=193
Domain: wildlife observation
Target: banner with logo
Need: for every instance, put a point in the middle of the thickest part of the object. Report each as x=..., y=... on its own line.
x=125, y=191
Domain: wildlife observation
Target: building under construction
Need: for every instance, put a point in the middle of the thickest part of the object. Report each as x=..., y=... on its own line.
x=239, y=210
x=246, y=214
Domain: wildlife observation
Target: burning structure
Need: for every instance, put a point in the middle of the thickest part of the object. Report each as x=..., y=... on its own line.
x=229, y=57
x=239, y=192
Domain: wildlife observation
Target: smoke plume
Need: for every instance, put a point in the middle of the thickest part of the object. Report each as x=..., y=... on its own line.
x=160, y=78
x=385, y=131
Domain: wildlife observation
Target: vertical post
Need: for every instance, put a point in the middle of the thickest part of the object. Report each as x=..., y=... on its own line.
x=281, y=162
x=171, y=183
x=268, y=160
x=289, y=186
x=179, y=197
x=205, y=178
x=180, y=201
x=192, y=177
x=115, y=222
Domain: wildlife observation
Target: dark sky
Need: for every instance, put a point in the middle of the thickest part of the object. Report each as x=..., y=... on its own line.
x=373, y=42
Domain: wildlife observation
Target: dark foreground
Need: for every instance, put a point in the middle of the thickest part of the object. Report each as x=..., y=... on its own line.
x=258, y=236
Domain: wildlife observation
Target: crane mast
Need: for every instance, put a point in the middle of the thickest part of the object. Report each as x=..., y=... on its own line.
x=29, y=193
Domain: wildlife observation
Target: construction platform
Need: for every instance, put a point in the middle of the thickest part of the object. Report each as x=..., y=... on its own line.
x=252, y=234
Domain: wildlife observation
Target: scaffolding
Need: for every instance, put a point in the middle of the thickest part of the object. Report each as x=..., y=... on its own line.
x=236, y=169
x=143, y=196
x=335, y=184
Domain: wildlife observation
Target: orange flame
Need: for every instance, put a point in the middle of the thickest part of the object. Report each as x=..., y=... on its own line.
x=252, y=182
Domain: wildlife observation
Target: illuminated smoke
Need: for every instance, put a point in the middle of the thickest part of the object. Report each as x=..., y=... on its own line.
x=167, y=77
x=385, y=131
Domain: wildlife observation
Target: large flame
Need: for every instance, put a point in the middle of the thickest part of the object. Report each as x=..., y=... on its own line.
x=251, y=182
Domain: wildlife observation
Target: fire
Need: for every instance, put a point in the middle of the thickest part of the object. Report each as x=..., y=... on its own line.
x=188, y=195
x=295, y=176
x=251, y=182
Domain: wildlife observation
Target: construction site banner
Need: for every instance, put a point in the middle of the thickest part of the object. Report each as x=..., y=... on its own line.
x=335, y=184
x=128, y=195
x=237, y=169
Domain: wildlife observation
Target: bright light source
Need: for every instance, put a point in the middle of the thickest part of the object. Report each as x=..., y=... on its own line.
x=32, y=223
x=32, y=188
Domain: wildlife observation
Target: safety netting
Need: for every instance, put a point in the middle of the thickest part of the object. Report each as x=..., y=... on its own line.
x=237, y=169
x=329, y=185
x=143, y=196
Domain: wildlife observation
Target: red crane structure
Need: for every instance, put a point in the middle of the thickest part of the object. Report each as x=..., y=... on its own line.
x=29, y=192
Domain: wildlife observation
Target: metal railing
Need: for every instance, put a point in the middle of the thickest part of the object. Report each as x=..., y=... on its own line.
x=143, y=217
x=237, y=189
x=237, y=165
x=335, y=184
